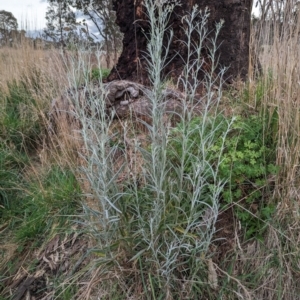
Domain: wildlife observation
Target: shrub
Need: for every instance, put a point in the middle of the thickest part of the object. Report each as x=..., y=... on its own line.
x=99, y=73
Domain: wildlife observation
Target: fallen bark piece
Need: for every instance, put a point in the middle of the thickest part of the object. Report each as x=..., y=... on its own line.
x=119, y=89
x=122, y=99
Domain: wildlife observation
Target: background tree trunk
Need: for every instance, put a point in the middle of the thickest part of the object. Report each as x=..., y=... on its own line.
x=233, y=39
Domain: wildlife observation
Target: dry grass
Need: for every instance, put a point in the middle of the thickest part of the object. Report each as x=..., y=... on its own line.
x=25, y=63
x=45, y=74
x=277, y=47
x=280, y=60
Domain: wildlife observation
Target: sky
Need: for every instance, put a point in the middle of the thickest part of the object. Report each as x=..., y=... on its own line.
x=29, y=13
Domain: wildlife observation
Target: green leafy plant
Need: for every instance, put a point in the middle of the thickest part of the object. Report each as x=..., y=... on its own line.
x=248, y=159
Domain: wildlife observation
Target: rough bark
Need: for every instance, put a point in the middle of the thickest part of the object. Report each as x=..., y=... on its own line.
x=233, y=39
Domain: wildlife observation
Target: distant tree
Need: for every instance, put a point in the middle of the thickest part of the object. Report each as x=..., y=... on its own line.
x=102, y=15
x=61, y=22
x=8, y=24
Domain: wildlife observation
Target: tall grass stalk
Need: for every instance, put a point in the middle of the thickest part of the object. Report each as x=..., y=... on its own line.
x=276, y=96
x=278, y=50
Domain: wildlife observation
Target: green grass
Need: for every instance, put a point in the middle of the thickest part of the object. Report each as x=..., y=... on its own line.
x=47, y=203
x=35, y=206
x=20, y=132
x=36, y=202
x=10, y=165
x=20, y=127
x=31, y=204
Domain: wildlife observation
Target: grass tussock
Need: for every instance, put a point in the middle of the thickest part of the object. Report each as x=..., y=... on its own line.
x=206, y=208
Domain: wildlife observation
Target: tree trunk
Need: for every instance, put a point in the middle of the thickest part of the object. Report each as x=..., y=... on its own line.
x=233, y=38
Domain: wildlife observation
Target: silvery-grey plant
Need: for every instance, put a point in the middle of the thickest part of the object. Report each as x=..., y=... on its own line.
x=173, y=234
x=166, y=224
x=96, y=153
